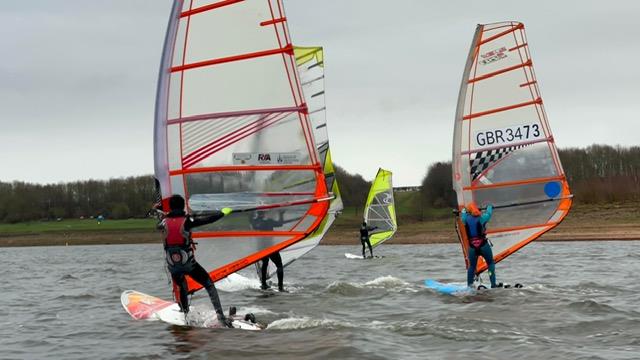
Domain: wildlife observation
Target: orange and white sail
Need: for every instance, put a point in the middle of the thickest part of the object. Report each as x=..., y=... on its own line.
x=504, y=153
x=232, y=130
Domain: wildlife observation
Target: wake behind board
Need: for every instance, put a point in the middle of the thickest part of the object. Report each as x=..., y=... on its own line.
x=146, y=307
x=359, y=257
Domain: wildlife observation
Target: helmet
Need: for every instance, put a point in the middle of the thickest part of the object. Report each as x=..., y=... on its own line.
x=472, y=208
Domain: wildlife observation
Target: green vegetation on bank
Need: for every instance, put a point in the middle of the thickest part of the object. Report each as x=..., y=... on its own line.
x=73, y=225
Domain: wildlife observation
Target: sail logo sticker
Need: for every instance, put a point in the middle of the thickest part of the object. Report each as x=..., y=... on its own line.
x=266, y=158
x=507, y=135
x=493, y=56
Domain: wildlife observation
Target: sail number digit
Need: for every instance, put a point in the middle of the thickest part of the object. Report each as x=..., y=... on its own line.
x=507, y=135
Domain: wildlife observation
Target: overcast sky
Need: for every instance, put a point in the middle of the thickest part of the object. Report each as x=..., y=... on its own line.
x=78, y=79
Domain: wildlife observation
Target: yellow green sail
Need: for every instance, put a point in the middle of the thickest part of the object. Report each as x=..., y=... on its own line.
x=380, y=211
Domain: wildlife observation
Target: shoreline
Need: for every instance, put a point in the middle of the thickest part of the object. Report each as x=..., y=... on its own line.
x=410, y=235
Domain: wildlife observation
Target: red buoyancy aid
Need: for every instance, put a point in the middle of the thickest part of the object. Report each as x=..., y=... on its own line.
x=177, y=243
x=175, y=234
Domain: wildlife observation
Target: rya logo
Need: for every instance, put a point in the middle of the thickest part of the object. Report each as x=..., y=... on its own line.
x=264, y=157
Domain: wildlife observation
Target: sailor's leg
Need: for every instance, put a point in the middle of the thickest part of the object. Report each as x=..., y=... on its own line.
x=363, y=248
x=180, y=291
x=473, y=263
x=200, y=275
x=277, y=260
x=487, y=254
x=370, y=249
x=263, y=273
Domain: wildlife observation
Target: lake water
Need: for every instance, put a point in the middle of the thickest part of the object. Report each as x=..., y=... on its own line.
x=580, y=301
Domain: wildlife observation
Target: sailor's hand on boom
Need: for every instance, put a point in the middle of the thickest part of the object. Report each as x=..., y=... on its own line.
x=226, y=211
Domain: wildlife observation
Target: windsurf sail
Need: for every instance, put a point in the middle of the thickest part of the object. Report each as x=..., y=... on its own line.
x=310, y=62
x=503, y=151
x=232, y=129
x=380, y=209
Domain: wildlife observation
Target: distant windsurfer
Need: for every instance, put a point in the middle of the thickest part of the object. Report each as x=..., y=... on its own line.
x=364, y=238
x=475, y=223
x=260, y=222
x=179, y=247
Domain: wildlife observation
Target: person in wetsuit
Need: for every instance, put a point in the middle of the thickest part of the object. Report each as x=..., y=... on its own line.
x=364, y=238
x=179, y=248
x=475, y=223
x=260, y=222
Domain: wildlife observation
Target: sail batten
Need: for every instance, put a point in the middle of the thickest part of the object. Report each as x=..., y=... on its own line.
x=503, y=151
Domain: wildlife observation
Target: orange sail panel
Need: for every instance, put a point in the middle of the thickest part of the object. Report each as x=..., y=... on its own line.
x=503, y=151
x=232, y=130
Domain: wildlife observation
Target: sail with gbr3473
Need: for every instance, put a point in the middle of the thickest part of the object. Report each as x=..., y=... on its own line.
x=503, y=151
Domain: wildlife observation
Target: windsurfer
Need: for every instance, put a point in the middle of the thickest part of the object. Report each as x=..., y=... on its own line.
x=179, y=247
x=364, y=237
x=475, y=223
x=260, y=222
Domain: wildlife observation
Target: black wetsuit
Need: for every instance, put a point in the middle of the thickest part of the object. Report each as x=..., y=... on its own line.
x=192, y=268
x=364, y=238
x=262, y=224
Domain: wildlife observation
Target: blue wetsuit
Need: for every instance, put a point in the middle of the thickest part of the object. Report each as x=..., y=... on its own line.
x=475, y=226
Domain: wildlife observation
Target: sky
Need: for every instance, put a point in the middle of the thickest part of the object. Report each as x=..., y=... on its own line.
x=78, y=79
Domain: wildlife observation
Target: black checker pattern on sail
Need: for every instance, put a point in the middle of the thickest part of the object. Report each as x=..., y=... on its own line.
x=480, y=161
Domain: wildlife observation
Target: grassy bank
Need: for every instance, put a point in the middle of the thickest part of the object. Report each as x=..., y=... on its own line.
x=585, y=222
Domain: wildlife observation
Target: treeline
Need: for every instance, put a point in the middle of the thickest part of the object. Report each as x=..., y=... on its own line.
x=602, y=173
x=596, y=174
x=114, y=198
x=353, y=188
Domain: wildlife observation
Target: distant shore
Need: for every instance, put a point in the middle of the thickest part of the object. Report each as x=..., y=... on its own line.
x=584, y=223
x=412, y=233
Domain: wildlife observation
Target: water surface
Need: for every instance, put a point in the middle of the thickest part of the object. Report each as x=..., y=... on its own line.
x=580, y=301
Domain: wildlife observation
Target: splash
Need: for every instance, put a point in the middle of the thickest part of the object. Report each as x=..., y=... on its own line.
x=389, y=283
x=237, y=282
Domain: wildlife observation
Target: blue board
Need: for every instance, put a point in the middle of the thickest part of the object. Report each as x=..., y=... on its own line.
x=449, y=289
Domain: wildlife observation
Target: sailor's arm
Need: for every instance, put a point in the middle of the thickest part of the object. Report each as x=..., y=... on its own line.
x=160, y=225
x=211, y=217
x=486, y=215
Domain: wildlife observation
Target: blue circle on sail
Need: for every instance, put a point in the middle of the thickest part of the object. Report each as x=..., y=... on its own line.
x=552, y=189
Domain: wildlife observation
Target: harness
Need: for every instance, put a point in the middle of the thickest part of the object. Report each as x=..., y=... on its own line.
x=177, y=243
x=476, y=232
x=364, y=234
